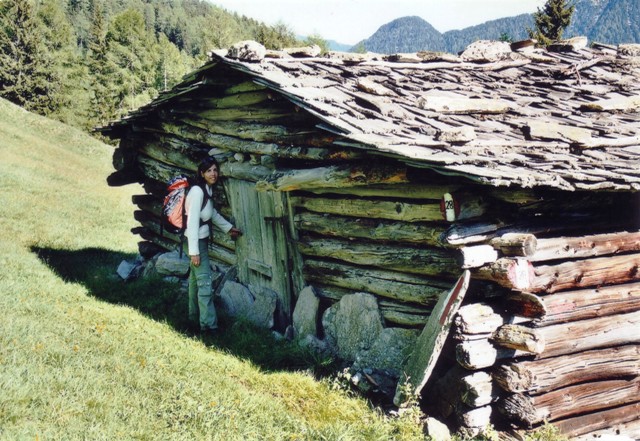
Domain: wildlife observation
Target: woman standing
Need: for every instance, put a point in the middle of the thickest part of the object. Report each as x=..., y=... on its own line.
x=201, y=215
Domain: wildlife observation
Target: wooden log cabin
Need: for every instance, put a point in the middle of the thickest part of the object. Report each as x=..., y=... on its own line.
x=393, y=174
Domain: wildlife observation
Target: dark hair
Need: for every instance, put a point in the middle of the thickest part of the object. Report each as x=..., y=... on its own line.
x=205, y=165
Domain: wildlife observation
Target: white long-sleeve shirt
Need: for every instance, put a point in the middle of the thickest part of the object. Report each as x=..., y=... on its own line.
x=194, y=230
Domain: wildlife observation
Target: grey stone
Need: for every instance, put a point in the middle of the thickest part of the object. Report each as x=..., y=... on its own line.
x=247, y=51
x=263, y=307
x=353, y=324
x=436, y=430
x=305, y=314
x=388, y=352
x=486, y=51
x=126, y=270
x=236, y=299
x=170, y=264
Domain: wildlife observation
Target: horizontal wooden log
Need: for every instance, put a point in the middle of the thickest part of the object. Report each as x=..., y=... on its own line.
x=404, y=191
x=479, y=354
x=514, y=244
x=478, y=389
x=254, y=113
x=388, y=209
x=481, y=318
x=584, y=273
x=568, y=401
x=589, y=334
x=476, y=256
x=269, y=133
x=334, y=176
x=622, y=420
x=479, y=417
x=152, y=223
x=516, y=274
x=519, y=337
x=217, y=253
x=576, y=305
x=245, y=171
x=241, y=145
x=389, y=284
x=429, y=262
x=367, y=228
x=586, y=246
x=538, y=376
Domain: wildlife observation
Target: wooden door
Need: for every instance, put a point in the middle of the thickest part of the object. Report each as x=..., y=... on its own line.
x=262, y=250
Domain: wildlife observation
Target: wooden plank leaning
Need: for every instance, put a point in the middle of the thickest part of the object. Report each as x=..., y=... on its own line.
x=422, y=360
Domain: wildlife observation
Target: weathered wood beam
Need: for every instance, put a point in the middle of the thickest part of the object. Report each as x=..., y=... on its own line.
x=519, y=337
x=422, y=361
x=389, y=284
x=393, y=210
x=621, y=420
x=367, y=228
x=538, y=376
x=478, y=389
x=152, y=223
x=245, y=171
x=476, y=256
x=589, y=334
x=405, y=191
x=586, y=246
x=514, y=244
x=479, y=354
x=520, y=275
x=568, y=401
x=510, y=273
x=237, y=144
x=576, y=305
x=429, y=262
x=482, y=318
x=334, y=176
x=216, y=252
x=584, y=273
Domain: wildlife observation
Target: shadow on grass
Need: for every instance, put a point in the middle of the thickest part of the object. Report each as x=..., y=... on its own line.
x=95, y=269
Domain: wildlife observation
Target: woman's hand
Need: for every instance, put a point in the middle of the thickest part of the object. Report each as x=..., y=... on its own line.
x=235, y=233
x=195, y=260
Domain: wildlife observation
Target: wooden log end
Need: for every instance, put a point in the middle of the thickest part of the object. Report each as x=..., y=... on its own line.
x=519, y=408
x=526, y=305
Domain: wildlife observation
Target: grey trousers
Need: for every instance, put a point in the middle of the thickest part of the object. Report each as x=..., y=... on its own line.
x=201, y=307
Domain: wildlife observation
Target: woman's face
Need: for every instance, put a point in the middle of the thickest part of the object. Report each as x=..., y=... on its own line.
x=210, y=175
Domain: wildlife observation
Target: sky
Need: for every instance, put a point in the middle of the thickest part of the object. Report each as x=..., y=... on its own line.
x=350, y=21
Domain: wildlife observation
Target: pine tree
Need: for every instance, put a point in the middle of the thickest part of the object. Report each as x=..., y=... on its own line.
x=551, y=21
x=27, y=76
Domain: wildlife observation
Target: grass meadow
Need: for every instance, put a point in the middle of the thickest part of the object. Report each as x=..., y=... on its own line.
x=84, y=356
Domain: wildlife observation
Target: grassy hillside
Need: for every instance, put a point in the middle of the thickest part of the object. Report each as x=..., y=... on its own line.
x=78, y=361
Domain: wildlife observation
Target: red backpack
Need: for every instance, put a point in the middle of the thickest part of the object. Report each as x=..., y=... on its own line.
x=174, y=214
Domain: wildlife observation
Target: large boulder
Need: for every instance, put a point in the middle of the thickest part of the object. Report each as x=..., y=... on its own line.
x=236, y=299
x=388, y=352
x=305, y=314
x=263, y=307
x=353, y=324
x=171, y=264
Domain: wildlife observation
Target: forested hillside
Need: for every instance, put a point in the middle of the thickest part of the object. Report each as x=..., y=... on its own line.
x=86, y=62
x=605, y=21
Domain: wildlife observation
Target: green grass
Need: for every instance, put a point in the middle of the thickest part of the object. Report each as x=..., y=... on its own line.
x=84, y=356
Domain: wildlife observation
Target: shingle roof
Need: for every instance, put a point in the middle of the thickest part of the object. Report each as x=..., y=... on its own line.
x=568, y=119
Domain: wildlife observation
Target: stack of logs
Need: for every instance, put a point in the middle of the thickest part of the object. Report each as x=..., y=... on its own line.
x=562, y=346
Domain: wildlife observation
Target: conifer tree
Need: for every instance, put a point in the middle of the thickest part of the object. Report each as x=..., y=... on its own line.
x=551, y=21
x=27, y=76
